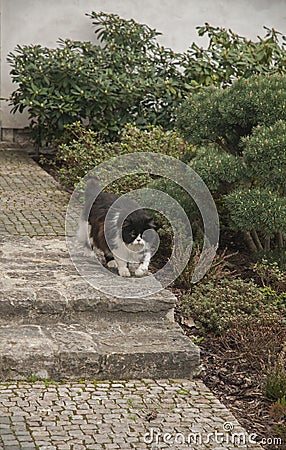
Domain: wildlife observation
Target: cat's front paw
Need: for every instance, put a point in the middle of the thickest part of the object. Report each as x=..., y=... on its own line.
x=124, y=272
x=133, y=267
x=140, y=272
x=112, y=264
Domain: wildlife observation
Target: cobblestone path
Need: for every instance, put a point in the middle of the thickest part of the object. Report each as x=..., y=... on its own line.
x=142, y=414
x=31, y=202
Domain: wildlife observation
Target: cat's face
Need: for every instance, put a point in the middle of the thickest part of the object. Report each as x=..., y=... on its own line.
x=133, y=229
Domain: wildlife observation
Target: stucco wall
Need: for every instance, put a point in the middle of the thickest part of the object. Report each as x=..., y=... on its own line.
x=43, y=22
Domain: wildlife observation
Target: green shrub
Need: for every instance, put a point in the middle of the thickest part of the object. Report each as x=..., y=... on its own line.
x=129, y=77
x=229, y=56
x=264, y=154
x=275, y=383
x=224, y=116
x=216, y=305
x=84, y=149
x=242, y=131
x=271, y=275
x=257, y=209
x=222, y=170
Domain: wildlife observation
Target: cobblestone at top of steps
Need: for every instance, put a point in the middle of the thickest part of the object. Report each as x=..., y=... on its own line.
x=31, y=201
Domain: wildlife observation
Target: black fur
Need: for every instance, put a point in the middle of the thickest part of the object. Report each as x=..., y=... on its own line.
x=119, y=219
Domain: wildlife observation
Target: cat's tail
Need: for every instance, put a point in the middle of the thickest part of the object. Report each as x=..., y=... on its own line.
x=92, y=189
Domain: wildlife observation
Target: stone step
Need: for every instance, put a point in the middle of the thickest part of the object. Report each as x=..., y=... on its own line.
x=39, y=283
x=42, y=304
x=96, y=350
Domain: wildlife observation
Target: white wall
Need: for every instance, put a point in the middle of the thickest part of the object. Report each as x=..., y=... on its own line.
x=43, y=22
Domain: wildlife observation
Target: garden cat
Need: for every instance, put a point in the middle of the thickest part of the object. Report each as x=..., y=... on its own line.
x=128, y=248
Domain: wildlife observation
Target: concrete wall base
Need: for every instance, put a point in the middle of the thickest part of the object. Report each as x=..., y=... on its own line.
x=21, y=136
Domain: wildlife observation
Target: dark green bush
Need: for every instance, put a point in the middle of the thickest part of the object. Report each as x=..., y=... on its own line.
x=265, y=155
x=224, y=116
x=257, y=209
x=222, y=170
x=216, y=305
x=129, y=77
x=242, y=131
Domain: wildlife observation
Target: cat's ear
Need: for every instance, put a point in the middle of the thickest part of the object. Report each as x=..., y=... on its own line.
x=151, y=224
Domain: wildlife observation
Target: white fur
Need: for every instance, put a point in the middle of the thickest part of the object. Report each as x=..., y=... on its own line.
x=123, y=270
x=133, y=267
x=127, y=257
x=137, y=245
x=130, y=257
x=144, y=265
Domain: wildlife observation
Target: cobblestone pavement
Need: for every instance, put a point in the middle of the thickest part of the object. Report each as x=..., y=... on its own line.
x=141, y=414
x=31, y=202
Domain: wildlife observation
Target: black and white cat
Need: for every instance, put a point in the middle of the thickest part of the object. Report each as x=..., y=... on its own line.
x=117, y=232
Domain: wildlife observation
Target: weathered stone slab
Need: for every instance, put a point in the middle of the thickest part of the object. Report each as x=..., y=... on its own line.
x=96, y=350
x=39, y=282
x=53, y=324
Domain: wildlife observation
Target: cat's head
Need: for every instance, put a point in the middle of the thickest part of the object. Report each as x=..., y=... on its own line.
x=134, y=226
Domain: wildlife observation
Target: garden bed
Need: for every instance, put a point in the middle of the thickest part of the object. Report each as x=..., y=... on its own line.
x=234, y=365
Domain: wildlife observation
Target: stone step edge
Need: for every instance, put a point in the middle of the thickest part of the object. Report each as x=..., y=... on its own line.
x=45, y=304
x=97, y=350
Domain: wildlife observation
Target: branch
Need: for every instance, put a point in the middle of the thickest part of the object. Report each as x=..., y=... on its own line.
x=280, y=239
x=267, y=244
x=250, y=242
x=256, y=239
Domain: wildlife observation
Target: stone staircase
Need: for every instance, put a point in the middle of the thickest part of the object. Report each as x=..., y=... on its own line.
x=54, y=325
